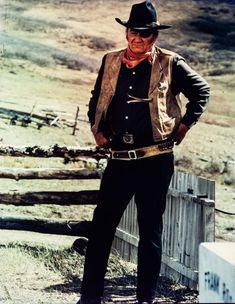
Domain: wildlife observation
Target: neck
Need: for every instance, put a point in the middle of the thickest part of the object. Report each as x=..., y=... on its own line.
x=131, y=59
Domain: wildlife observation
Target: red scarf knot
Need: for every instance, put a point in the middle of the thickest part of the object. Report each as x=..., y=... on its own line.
x=131, y=59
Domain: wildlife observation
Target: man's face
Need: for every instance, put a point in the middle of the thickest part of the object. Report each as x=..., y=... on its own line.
x=139, y=41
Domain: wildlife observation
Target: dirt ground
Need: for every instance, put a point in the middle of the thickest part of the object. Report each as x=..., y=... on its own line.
x=26, y=279
x=208, y=150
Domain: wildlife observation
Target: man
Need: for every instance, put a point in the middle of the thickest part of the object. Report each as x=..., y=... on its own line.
x=135, y=111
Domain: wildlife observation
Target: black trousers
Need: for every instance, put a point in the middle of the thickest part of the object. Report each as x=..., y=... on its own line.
x=148, y=179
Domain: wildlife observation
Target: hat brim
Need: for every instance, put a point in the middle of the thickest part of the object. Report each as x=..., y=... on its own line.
x=153, y=25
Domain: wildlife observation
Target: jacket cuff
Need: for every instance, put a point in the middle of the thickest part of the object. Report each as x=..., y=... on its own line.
x=187, y=121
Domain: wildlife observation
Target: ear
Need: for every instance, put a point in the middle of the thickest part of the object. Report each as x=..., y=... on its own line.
x=155, y=37
x=153, y=40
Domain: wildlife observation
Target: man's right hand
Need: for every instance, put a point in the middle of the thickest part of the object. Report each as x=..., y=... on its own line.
x=101, y=140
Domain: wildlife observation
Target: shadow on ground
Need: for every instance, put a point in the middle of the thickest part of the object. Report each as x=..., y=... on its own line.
x=123, y=290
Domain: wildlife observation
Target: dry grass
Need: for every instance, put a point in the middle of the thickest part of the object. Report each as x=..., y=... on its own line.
x=44, y=275
x=50, y=53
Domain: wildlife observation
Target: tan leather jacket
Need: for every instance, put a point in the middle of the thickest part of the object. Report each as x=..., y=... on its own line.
x=165, y=109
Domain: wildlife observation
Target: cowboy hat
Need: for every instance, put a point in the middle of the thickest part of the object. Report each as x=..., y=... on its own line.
x=143, y=16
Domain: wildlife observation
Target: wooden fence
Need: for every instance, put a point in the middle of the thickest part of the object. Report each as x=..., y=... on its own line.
x=188, y=219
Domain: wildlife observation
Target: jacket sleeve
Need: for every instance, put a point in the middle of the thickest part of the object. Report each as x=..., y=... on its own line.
x=195, y=88
x=95, y=94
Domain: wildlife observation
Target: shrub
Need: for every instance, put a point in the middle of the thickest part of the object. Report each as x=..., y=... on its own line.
x=75, y=62
x=223, y=32
x=183, y=162
x=101, y=43
x=221, y=71
x=29, y=24
x=229, y=180
x=214, y=167
x=43, y=55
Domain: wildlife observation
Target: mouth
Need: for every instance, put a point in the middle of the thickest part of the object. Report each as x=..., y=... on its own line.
x=137, y=44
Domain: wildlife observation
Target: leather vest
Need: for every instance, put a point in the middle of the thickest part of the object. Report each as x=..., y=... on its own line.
x=165, y=108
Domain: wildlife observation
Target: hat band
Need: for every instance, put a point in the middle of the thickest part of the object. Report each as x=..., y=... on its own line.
x=149, y=25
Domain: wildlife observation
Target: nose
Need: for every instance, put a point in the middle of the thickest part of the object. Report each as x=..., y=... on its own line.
x=138, y=36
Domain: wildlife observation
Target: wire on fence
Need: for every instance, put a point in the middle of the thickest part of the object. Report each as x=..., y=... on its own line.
x=225, y=212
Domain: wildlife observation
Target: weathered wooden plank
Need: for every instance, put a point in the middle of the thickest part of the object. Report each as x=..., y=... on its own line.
x=176, y=227
x=184, y=231
x=44, y=225
x=127, y=237
x=180, y=268
x=209, y=224
x=88, y=197
x=48, y=173
x=189, y=235
x=198, y=186
x=193, y=247
x=206, y=188
x=173, y=227
x=170, y=227
x=181, y=228
x=191, y=198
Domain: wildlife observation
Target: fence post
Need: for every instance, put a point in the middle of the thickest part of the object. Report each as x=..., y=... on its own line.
x=75, y=122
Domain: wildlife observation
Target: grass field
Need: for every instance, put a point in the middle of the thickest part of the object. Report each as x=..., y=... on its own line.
x=49, y=55
x=56, y=37
x=51, y=50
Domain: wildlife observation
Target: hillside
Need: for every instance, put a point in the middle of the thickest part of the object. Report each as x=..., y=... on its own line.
x=51, y=50
x=50, y=53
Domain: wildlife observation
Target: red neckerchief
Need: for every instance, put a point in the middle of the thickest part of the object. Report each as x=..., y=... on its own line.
x=131, y=59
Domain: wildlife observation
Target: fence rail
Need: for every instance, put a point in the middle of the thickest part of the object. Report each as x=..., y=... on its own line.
x=48, y=173
x=188, y=219
x=84, y=197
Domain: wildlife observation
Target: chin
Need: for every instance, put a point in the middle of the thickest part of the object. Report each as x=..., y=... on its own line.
x=138, y=50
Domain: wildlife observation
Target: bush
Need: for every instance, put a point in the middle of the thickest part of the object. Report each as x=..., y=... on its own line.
x=183, y=162
x=214, y=167
x=229, y=180
x=75, y=62
x=101, y=43
x=221, y=71
x=223, y=32
x=29, y=24
x=43, y=55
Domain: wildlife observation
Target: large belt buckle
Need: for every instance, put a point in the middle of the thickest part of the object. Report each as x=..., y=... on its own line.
x=132, y=154
x=128, y=138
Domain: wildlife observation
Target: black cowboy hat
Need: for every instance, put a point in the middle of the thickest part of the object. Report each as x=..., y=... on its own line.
x=143, y=16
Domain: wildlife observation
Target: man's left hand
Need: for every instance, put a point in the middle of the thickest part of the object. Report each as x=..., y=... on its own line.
x=180, y=133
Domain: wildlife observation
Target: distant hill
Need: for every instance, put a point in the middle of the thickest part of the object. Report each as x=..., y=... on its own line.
x=51, y=51
x=204, y=33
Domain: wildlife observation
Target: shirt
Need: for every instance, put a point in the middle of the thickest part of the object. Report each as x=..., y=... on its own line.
x=133, y=118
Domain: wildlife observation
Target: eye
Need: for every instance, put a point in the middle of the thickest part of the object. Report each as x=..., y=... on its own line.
x=145, y=34
x=133, y=32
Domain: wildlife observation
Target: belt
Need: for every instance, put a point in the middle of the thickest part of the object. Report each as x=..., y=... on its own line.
x=164, y=147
